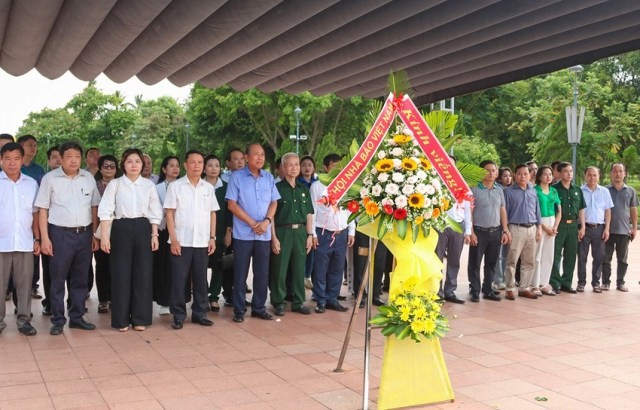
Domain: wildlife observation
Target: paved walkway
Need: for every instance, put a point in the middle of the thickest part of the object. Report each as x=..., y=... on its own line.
x=576, y=351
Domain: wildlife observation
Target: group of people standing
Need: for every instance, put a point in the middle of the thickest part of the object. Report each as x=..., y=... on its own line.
x=155, y=236
x=531, y=225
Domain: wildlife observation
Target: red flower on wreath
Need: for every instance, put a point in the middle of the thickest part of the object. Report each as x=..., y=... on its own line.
x=353, y=206
x=388, y=209
x=400, y=214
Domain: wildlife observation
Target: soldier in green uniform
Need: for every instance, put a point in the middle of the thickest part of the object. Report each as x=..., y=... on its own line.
x=291, y=237
x=570, y=230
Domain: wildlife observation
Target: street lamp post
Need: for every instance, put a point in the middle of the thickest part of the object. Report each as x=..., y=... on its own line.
x=297, y=112
x=574, y=121
x=187, y=126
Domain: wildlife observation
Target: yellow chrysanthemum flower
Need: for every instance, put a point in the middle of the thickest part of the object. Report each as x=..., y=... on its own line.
x=420, y=313
x=425, y=163
x=409, y=164
x=416, y=200
x=400, y=301
x=418, y=326
x=429, y=326
x=419, y=220
x=405, y=313
x=401, y=138
x=384, y=165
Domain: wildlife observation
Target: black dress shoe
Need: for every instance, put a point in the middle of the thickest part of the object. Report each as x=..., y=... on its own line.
x=568, y=290
x=177, y=324
x=247, y=303
x=56, y=330
x=46, y=311
x=378, y=302
x=340, y=297
x=492, y=296
x=202, y=321
x=27, y=329
x=337, y=307
x=320, y=308
x=474, y=298
x=556, y=290
x=279, y=311
x=454, y=299
x=361, y=305
x=301, y=309
x=82, y=324
x=262, y=315
x=228, y=304
x=238, y=318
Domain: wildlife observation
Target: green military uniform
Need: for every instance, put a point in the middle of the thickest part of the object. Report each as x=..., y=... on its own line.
x=572, y=201
x=224, y=220
x=291, y=230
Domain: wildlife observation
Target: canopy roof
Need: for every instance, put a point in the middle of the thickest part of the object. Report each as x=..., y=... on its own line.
x=348, y=47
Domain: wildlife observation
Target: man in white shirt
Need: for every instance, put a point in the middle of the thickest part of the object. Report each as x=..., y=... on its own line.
x=19, y=233
x=332, y=235
x=68, y=201
x=191, y=207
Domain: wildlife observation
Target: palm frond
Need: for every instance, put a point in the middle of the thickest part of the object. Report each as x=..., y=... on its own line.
x=442, y=123
x=370, y=118
x=398, y=83
x=472, y=174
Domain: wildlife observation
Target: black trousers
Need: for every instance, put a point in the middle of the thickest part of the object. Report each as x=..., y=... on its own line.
x=360, y=263
x=103, y=276
x=70, y=262
x=162, y=270
x=194, y=261
x=488, y=247
x=131, y=265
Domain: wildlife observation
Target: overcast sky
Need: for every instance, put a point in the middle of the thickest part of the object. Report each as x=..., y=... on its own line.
x=32, y=92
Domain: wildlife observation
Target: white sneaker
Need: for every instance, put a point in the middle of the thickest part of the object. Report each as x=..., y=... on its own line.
x=308, y=283
x=163, y=310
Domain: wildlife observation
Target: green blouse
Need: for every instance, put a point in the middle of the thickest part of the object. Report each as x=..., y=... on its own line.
x=548, y=202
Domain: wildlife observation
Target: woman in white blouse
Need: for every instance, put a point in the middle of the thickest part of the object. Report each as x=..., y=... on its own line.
x=130, y=213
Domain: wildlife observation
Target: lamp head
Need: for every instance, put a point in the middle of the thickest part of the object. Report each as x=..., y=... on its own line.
x=577, y=69
x=297, y=112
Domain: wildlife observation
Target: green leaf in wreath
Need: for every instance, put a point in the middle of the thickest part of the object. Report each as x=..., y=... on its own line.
x=403, y=331
x=385, y=310
x=403, y=224
x=354, y=215
x=389, y=330
x=379, y=320
x=382, y=226
x=455, y=226
x=415, y=231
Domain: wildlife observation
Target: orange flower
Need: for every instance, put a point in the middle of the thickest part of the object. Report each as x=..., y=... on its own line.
x=371, y=208
x=435, y=213
x=366, y=200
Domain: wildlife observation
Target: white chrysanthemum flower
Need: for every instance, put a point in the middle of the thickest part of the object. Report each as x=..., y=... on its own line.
x=374, y=170
x=376, y=190
x=391, y=142
x=407, y=131
x=408, y=189
x=421, y=175
x=427, y=202
x=364, y=192
x=401, y=201
x=397, y=177
x=427, y=214
x=415, y=153
x=386, y=201
x=412, y=179
x=430, y=189
x=397, y=164
x=396, y=152
x=384, y=177
x=392, y=189
x=421, y=188
x=436, y=184
x=382, y=154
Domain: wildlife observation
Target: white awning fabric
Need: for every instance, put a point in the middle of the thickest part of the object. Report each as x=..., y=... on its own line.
x=348, y=47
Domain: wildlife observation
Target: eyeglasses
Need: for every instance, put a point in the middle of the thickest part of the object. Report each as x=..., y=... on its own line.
x=109, y=166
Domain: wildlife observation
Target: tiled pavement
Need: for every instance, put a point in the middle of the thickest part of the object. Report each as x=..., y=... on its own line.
x=576, y=351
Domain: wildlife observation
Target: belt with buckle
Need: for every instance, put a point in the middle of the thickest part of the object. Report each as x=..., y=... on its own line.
x=322, y=230
x=75, y=229
x=593, y=225
x=291, y=226
x=569, y=221
x=492, y=229
x=523, y=225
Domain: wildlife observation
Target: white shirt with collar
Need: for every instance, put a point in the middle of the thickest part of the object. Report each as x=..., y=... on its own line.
x=193, y=205
x=330, y=218
x=16, y=208
x=68, y=199
x=130, y=199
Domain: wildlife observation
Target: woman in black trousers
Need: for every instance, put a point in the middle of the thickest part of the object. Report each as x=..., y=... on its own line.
x=131, y=206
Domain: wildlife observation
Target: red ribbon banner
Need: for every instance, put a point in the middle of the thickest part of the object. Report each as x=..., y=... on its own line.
x=433, y=150
x=350, y=173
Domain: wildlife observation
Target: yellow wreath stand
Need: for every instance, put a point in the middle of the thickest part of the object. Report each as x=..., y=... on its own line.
x=412, y=373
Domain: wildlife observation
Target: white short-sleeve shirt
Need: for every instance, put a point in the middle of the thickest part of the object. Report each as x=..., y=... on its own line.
x=130, y=199
x=193, y=205
x=16, y=208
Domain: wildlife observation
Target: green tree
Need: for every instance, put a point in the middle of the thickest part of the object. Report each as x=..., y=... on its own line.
x=473, y=150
